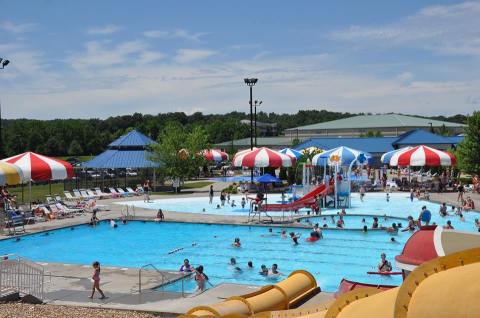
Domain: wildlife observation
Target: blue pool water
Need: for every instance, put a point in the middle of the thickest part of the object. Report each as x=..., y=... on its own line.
x=353, y=221
x=373, y=204
x=340, y=254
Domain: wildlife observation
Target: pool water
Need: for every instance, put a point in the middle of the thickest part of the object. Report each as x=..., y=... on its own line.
x=399, y=205
x=340, y=254
x=353, y=221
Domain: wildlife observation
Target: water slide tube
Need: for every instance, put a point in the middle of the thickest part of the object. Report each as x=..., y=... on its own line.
x=306, y=200
x=299, y=286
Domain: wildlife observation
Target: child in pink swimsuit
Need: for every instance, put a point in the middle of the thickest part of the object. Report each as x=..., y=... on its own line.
x=96, y=280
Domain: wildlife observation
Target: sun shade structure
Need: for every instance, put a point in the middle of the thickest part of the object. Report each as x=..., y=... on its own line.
x=214, y=155
x=37, y=167
x=128, y=151
x=342, y=156
x=421, y=156
x=10, y=174
x=386, y=157
x=262, y=158
x=292, y=153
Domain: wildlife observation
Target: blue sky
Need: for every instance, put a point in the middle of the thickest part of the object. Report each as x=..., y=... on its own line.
x=101, y=58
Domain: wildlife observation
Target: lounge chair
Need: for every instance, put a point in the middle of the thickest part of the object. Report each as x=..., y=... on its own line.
x=15, y=221
x=69, y=196
x=123, y=192
x=115, y=193
x=131, y=191
x=93, y=194
x=50, y=199
x=59, y=214
x=69, y=209
x=78, y=195
x=99, y=192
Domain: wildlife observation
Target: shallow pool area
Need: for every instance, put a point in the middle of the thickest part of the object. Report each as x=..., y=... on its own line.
x=340, y=254
x=399, y=205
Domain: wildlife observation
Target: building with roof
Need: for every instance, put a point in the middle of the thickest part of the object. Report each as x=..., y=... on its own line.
x=263, y=129
x=385, y=124
x=128, y=151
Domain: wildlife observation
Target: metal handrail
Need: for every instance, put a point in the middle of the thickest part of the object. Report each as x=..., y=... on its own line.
x=140, y=276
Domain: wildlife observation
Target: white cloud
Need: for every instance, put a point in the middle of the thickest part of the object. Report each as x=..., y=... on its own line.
x=175, y=34
x=190, y=55
x=449, y=29
x=17, y=28
x=104, y=30
x=149, y=57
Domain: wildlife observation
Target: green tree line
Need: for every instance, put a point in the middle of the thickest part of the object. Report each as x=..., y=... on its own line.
x=60, y=137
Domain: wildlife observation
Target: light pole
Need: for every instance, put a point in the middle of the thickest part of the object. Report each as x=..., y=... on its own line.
x=3, y=63
x=250, y=83
x=257, y=103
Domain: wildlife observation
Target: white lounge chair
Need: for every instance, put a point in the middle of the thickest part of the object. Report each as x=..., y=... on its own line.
x=78, y=195
x=115, y=193
x=69, y=196
x=85, y=195
x=93, y=194
x=122, y=192
x=99, y=192
x=69, y=210
x=131, y=191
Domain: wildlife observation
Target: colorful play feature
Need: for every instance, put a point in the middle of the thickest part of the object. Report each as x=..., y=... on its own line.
x=442, y=287
x=307, y=200
x=299, y=286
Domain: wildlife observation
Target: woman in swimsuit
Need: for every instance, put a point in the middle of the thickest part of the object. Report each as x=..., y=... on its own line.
x=384, y=265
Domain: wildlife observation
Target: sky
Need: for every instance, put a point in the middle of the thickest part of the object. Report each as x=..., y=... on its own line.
x=101, y=58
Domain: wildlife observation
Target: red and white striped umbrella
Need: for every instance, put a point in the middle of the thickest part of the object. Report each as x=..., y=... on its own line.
x=37, y=167
x=262, y=158
x=214, y=155
x=420, y=156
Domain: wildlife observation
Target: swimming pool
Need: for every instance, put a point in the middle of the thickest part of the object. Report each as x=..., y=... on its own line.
x=340, y=254
x=399, y=205
x=352, y=221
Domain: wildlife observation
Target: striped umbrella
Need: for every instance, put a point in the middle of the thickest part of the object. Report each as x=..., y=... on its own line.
x=343, y=156
x=214, y=155
x=37, y=167
x=386, y=157
x=292, y=153
x=10, y=174
x=420, y=156
x=262, y=158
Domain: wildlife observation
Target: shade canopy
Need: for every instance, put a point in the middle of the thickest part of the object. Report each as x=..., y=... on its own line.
x=128, y=151
x=420, y=156
x=386, y=157
x=214, y=155
x=292, y=153
x=10, y=174
x=342, y=156
x=268, y=178
x=262, y=158
x=38, y=167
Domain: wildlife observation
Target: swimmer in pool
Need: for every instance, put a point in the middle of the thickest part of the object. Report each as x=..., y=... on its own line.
x=284, y=234
x=264, y=270
x=250, y=265
x=233, y=263
x=274, y=270
x=233, y=204
x=243, y=202
x=294, y=238
x=236, y=242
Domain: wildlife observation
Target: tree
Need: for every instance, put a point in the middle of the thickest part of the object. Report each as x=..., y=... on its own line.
x=469, y=149
x=75, y=148
x=178, y=151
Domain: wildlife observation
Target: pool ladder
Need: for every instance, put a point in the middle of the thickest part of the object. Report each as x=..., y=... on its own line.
x=162, y=275
x=128, y=211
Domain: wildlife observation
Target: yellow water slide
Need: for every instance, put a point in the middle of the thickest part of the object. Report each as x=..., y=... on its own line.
x=443, y=287
x=299, y=286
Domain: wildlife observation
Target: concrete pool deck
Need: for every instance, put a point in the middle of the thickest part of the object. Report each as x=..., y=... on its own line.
x=70, y=284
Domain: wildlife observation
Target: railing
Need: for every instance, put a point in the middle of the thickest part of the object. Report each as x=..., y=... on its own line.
x=162, y=275
x=128, y=211
x=21, y=275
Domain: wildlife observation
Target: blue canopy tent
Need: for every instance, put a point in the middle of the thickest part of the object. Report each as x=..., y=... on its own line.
x=128, y=151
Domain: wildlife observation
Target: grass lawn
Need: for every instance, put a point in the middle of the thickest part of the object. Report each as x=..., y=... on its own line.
x=38, y=191
x=197, y=184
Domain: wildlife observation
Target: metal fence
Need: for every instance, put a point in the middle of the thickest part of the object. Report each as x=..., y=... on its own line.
x=20, y=275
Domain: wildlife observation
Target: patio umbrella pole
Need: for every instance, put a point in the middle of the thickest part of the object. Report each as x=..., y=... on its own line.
x=30, y=193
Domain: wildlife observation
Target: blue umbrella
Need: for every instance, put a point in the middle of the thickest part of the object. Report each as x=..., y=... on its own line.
x=268, y=178
x=291, y=152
